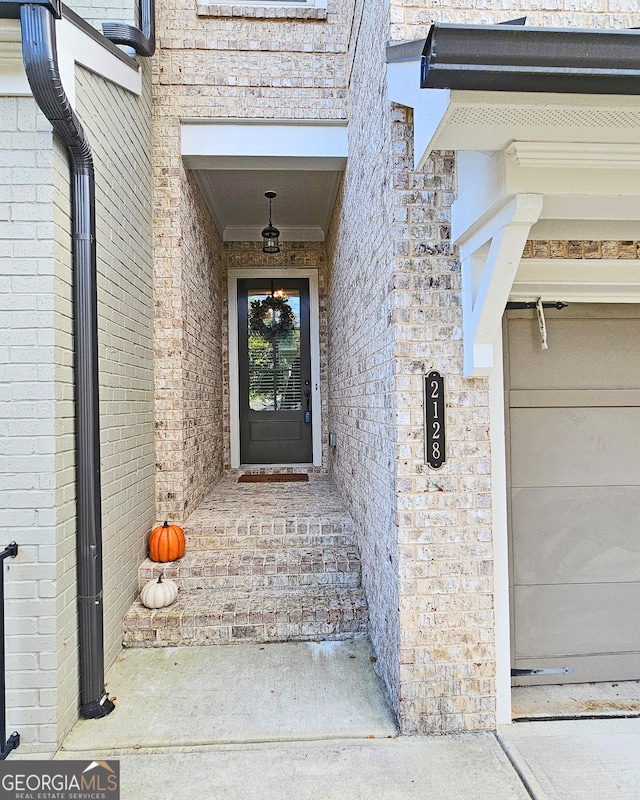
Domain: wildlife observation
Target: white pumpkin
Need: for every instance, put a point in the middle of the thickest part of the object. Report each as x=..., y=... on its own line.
x=158, y=594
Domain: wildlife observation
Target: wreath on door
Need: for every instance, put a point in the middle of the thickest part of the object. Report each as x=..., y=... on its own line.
x=267, y=325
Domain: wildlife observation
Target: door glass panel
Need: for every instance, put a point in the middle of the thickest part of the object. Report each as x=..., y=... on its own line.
x=274, y=350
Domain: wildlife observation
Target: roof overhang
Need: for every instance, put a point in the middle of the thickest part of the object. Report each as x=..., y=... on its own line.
x=235, y=160
x=479, y=87
x=532, y=163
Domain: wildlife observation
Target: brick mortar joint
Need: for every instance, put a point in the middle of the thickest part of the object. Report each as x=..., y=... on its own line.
x=582, y=249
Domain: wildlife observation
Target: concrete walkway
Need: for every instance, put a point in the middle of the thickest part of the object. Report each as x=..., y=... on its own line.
x=244, y=693
x=578, y=760
x=442, y=768
x=309, y=721
x=277, y=722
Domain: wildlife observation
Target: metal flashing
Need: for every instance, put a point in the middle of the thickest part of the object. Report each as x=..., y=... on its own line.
x=516, y=58
x=405, y=51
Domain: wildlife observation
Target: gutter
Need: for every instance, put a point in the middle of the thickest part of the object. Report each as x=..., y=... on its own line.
x=517, y=58
x=40, y=58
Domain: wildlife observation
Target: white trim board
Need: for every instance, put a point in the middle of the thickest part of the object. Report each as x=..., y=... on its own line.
x=224, y=144
x=314, y=335
x=77, y=47
x=502, y=606
x=578, y=280
x=288, y=233
x=13, y=79
x=558, y=187
x=273, y=3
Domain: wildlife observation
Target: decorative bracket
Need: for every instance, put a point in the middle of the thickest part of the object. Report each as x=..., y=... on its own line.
x=490, y=251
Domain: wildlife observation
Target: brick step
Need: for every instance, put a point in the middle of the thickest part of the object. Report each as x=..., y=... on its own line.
x=218, y=616
x=268, y=533
x=253, y=569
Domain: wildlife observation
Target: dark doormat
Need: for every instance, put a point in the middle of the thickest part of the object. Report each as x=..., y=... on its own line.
x=278, y=477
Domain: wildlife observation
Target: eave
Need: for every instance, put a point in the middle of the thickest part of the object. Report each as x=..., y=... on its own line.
x=546, y=128
x=515, y=58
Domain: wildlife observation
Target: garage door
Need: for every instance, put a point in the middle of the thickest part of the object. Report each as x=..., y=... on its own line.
x=573, y=444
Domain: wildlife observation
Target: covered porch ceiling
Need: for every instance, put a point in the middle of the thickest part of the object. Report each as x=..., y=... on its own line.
x=534, y=160
x=235, y=162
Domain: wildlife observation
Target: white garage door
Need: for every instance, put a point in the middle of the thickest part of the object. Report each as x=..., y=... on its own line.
x=573, y=444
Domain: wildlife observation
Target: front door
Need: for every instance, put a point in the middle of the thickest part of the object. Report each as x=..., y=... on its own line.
x=274, y=371
x=574, y=499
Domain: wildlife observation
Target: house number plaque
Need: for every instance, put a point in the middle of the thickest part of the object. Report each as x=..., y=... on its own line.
x=434, y=420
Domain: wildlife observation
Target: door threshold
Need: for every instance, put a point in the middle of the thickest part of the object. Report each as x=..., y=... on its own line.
x=569, y=701
x=275, y=466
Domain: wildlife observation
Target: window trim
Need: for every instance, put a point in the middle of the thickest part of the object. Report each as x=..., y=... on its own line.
x=267, y=9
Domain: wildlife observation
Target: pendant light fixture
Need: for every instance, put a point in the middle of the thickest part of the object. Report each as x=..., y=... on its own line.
x=270, y=234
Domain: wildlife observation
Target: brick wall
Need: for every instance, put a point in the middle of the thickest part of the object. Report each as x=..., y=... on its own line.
x=412, y=19
x=362, y=403
x=243, y=65
x=36, y=389
x=580, y=249
x=95, y=12
x=122, y=157
x=204, y=298
x=447, y=655
x=190, y=294
x=66, y=626
x=27, y=418
x=394, y=313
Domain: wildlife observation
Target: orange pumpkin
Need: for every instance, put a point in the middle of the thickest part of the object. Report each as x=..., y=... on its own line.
x=166, y=543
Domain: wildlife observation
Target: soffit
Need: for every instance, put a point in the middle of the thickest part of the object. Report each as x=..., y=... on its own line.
x=301, y=211
x=235, y=161
x=492, y=120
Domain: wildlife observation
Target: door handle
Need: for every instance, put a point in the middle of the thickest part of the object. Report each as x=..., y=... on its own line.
x=307, y=413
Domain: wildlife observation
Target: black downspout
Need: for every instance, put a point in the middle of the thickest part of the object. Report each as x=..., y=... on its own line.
x=41, y=64
x=142, y=38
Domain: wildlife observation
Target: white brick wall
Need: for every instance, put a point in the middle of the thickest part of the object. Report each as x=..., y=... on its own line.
x=37, y=459
x=122, y=156
x=27, y=417
x=65, y=466
x=98, y=11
